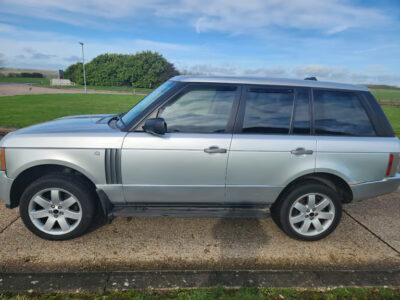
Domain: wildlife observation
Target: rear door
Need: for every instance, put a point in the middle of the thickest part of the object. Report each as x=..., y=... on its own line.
x=271, y=144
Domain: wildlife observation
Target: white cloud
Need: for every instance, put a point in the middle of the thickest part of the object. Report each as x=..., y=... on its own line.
x=233, y=16
x=322, y=72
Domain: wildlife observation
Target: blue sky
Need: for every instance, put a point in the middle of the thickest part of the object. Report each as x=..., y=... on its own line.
x=344, y=40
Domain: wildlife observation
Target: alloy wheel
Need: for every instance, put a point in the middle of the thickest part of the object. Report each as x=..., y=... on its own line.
x=312, y=214
x=55, y=211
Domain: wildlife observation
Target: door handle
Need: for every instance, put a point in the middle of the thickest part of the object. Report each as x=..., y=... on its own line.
x=301, y=151
x=214, y=149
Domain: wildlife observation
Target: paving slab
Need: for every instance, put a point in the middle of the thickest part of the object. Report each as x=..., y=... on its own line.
x=7, y=216
x=380, y=215
x=134, y=244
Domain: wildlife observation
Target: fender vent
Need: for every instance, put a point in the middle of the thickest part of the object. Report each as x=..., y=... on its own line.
x=113, y=166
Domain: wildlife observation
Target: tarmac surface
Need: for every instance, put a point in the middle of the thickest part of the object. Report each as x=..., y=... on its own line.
x=12, y=89
x=368, y=238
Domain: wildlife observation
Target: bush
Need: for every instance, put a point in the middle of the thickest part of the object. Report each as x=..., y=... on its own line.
x=26, y=75
x=142, y=70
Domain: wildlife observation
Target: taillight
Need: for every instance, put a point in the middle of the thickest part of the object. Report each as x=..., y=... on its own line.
x=3, y=159
x=389, y=167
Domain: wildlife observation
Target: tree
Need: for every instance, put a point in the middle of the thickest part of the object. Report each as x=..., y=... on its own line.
x=143, y=69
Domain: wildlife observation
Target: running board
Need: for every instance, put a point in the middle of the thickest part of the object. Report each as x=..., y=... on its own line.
x=189, y=212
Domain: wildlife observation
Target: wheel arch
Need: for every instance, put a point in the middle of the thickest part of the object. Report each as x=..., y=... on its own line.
x=331, y=180
x=32, y=173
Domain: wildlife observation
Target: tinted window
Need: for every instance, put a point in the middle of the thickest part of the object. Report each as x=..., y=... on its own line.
x=301, y=122
x=146, y=102
x=340, y=113
x=200, y=110
x=268, y=111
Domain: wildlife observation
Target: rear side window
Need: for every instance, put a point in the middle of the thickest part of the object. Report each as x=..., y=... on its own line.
x=268, y=111
x=340, y=113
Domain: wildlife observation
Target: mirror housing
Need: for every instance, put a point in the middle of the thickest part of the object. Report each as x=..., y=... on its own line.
x=155, y=126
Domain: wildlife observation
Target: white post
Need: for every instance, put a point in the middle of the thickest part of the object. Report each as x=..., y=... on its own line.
x=83, y=63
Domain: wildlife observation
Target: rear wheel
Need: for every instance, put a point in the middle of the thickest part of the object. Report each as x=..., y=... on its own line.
x=57, y=207
x=309, y=212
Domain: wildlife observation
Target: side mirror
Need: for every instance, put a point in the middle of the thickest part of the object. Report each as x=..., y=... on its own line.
x=155, y=126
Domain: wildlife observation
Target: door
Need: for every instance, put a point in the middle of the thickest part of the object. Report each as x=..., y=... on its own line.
x=271, y=145
x=188, y=164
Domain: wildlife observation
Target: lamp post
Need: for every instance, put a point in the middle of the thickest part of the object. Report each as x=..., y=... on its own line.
x=83, y=63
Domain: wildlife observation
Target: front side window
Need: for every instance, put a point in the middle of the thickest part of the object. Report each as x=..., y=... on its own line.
x=200, y=110
x=146, y=102
x=268, y=111
x=340, y=113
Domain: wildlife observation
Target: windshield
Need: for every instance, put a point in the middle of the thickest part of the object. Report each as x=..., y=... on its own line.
x=138, y=108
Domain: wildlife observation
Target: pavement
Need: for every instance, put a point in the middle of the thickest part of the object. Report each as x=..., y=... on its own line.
x=368, y=238
x=12, y=89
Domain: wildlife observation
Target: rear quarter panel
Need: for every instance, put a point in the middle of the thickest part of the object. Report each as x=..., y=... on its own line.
x=355, y=159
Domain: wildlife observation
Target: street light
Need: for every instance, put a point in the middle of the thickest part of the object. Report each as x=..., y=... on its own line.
x=83, y=63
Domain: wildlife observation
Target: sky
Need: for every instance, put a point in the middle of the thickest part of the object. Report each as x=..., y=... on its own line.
x=353, y=41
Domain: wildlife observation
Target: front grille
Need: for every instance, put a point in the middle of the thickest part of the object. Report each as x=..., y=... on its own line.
x=113, y=166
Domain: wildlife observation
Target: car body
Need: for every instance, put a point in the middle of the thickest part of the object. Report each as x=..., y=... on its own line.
x=213, y=145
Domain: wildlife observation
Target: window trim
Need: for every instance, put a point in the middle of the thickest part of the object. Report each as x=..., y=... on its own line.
x=297, y=89
x=185, y=88
x=362, y=104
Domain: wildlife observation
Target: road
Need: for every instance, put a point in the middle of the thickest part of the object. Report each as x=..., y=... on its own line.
x=12, y=89
x=367, y=238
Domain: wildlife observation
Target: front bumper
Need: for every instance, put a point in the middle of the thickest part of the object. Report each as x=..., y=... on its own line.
x=375, y=188
x=5, y=187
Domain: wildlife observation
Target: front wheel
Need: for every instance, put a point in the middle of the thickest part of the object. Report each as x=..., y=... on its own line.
x=57, y=207
x=309, y=212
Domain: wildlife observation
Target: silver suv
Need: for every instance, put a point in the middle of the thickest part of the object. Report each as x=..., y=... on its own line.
x=206, y=146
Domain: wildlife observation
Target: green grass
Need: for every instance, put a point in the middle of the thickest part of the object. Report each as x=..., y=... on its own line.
x=24, y=110
x=221, y=293
x=43, y=81
x=393, y=115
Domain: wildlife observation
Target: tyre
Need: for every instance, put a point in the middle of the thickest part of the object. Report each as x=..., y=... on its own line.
x=58, y=207
x=309, y=212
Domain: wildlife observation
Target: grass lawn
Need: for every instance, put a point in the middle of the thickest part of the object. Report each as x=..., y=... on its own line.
x=393, y=114
x=221, y=293
x=24, y=110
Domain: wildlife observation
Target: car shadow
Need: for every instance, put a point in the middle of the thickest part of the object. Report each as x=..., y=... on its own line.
x=239, y=235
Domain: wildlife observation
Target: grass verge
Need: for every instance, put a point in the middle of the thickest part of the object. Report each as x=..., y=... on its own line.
x=25, y=110
x=222, y=293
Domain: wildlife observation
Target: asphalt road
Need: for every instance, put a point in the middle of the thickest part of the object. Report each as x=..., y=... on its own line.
x=367, y=238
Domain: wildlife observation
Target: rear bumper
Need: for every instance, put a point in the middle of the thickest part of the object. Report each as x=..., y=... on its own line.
x=5, y=188
x=375, y=188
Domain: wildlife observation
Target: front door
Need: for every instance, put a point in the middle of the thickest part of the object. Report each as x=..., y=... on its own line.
x=271, y=145
x=188, y=164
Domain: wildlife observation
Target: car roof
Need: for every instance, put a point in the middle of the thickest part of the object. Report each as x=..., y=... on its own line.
x=268, y=81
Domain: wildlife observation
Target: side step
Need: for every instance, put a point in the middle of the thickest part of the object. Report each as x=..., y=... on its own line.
x=189, y=212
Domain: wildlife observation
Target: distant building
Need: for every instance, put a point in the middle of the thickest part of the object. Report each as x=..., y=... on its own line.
x=61, y=82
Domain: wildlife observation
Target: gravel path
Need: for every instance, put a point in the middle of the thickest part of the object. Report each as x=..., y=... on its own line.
x=26, y=89
x=368, y=237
